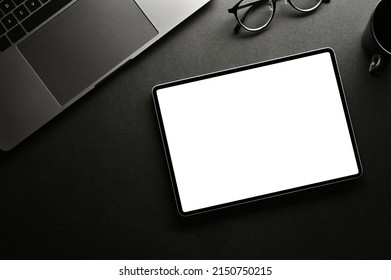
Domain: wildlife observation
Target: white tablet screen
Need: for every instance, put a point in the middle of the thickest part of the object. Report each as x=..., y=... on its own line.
x=256, y=132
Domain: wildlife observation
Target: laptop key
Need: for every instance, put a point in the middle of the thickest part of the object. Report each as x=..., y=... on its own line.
x=7, y=6
x=43, y=14
x=4, y=43
x=21, y=12
x=33, y=5
x=16, y=33
x=9, y=21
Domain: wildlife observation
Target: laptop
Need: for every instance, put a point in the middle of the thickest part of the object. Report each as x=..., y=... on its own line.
x=52, y=52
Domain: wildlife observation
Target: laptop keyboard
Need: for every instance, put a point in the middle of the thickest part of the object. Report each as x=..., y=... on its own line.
x=19, y=17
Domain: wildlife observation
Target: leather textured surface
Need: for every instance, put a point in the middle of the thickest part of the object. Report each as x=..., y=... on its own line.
x=94, y=184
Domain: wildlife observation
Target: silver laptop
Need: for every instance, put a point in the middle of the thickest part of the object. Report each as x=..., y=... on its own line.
x=52, y=52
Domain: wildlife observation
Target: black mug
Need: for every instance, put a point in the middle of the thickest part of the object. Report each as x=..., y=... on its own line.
x=376, y=39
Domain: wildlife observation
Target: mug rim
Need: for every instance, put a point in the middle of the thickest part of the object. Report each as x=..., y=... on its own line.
x=373, y=29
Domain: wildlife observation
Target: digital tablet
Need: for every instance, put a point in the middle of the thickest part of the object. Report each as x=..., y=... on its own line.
x=256, y=131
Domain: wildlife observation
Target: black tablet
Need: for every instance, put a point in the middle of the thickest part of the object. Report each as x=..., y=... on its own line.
x=256, y=131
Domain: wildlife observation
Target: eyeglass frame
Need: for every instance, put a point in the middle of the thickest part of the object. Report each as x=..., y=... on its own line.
x=234, y=10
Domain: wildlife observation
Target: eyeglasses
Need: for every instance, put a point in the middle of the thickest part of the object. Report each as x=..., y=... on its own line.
x=255, y=15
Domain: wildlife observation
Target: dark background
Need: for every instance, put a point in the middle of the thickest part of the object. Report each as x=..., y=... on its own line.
x=94, y=184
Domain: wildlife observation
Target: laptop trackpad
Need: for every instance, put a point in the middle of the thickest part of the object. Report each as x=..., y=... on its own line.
x=85, y=42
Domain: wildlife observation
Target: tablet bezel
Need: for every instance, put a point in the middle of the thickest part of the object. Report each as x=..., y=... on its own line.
x=239, y=69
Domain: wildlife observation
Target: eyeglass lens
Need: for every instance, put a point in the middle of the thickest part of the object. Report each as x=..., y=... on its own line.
x=305, y=5
x=255, y=14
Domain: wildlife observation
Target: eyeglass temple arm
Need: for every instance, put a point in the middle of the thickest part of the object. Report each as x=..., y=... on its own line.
x=237, y=28
x=325, y=1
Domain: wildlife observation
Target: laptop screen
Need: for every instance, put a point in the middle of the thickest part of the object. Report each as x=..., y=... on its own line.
x=250, y=133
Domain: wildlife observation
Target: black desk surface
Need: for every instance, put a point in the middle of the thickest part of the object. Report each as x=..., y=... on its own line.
x=93, y=183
